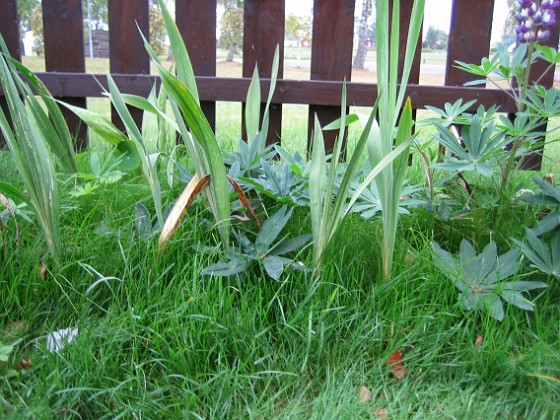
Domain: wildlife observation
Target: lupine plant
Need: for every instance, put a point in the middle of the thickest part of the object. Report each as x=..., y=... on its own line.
x=535, y=103
x=481, y=278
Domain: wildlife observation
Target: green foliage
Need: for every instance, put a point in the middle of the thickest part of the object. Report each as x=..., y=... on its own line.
x=279, y=183
x=298, y=28
x=265, y=249
x=535, y=103
x=247, y=158
x=480, y=278
x=550, y=197
x=5, y=351
x=157, y=30
x=543, y=257
x=435, y=39
x=369, y=203
x=383, y=137
x=231, y=36
x=29, y=142
x=477, y=149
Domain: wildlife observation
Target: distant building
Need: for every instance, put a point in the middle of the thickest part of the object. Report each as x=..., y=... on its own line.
x=100, y=44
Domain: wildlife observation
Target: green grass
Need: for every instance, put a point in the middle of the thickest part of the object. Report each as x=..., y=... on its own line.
x=158, y=340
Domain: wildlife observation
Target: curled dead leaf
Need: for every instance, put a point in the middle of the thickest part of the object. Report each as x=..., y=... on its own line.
x=25, y=364
x=43, y=270
x=364, y=394
x=380, y=413
x=478, y=341
x=243, y=198
x=395, y=365
x=181, y=205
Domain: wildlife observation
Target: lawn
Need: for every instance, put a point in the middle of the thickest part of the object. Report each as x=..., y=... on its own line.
x=156, y=336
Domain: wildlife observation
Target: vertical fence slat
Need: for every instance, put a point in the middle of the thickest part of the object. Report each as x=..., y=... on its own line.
x=196, y=20
x=9, y=28
x=263, y=29
x=126, y=47
x=469, y=37
x=331, y=54
x=66, y=53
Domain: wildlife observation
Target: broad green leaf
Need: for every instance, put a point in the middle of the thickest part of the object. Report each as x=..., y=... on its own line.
x=274, y=266
x=226, y=269
x=98, y=123
x=253, y=107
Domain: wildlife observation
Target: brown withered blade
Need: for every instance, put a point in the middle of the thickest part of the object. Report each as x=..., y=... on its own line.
x=193, y=188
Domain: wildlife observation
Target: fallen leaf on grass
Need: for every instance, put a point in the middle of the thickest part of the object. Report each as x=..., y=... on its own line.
x=24, y=364
x=395, y=365
x=478, y=341
x=43, y=270
x=380, y=413
x=364, y=393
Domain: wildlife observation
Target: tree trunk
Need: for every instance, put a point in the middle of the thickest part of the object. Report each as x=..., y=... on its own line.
x=230, y=52
x=360, y=58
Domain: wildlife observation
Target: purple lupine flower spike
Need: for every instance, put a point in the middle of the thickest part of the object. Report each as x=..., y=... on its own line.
x=535, y=18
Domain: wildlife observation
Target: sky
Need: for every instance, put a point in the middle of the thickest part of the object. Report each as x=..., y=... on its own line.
x=437, y=13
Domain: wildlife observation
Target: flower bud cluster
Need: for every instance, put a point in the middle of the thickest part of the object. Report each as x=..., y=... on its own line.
x=535, y=18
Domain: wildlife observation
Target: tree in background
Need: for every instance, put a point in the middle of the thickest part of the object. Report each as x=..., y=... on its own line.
x=231, y=36
x=298, y=28
x=99, y=13
x=508, y=34
x=31, y=19
x=230, y=4
x=27, y=11
x=158, y=32
x=360, y=58
x=36, y=26
x=436, y=39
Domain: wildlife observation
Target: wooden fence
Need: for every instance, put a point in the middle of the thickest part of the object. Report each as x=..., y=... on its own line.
x=331, y=55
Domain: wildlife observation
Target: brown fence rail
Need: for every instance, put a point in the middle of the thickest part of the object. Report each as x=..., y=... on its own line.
x=264, y=20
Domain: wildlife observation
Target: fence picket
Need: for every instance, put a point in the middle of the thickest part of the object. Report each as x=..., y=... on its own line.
x=263, y=29
x=66, y=54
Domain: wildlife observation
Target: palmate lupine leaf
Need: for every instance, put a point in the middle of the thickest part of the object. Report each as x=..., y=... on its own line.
x=32, y=158
x=480, y=146
x=542, y=257
x=550, y=197
x=266, y=249
x=480, y=278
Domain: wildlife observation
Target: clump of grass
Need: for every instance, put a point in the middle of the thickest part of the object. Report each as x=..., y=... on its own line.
x=157, y=339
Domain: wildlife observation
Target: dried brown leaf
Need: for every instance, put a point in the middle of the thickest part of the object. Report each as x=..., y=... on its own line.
x=380, y=413
x=478, y=341
x=243, y=198
x=179, y=209
x=395, y=365
x=364, y=394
